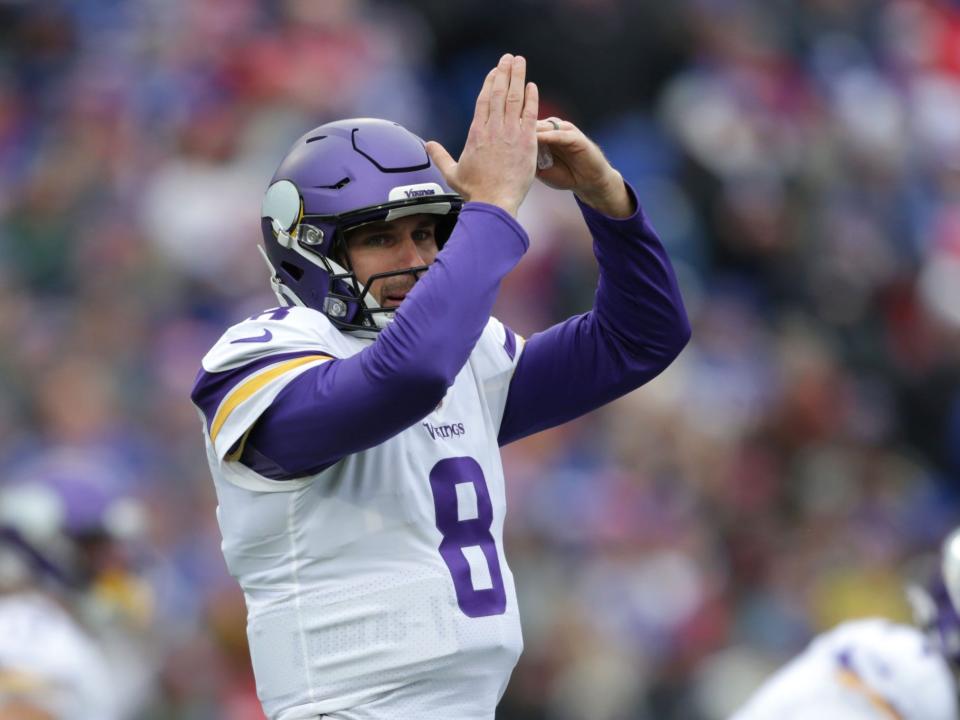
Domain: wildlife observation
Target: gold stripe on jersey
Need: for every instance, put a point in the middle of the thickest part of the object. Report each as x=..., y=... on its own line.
x=251, y=385
x=850, y=679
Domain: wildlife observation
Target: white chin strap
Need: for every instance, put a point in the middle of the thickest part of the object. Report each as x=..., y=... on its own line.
x=382, y=319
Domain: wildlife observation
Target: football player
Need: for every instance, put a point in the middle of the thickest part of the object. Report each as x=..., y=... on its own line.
x=50, y=667
x=353, y=433
x=63, y=584
x=874, y=669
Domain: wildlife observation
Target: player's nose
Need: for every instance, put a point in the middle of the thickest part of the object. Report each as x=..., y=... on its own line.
x=410, y=252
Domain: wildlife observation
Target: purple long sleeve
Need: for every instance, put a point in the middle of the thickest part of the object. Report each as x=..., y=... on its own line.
x=638, y=325
x=348, y=405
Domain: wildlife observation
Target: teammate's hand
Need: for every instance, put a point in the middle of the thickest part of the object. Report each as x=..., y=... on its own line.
x=499, y=159
x=579, y=165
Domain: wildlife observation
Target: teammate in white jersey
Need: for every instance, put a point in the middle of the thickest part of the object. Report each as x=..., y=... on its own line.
x=50, y=668
x=65, y=589
x=874, y=669
x=353, y=433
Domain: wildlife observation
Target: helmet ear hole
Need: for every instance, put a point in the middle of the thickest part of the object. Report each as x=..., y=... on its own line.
x=295, y=272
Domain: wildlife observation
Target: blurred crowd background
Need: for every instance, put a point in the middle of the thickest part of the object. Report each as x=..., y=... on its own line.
x=801, y=161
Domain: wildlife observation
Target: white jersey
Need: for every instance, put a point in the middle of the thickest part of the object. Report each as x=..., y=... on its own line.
x=862, y=670
x=359, y=605
x=47, y=661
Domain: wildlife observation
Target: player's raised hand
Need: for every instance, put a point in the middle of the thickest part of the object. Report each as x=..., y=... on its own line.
x=499, y=159
x=579, y=165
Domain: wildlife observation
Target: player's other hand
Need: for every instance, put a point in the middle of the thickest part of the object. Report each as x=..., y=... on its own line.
x=499, y=159
x=579, y=165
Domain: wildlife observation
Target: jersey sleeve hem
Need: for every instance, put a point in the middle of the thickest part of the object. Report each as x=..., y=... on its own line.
x=591, y=215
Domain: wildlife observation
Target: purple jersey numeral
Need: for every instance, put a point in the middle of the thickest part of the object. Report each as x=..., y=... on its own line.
x=466, y=533
x=278, y=313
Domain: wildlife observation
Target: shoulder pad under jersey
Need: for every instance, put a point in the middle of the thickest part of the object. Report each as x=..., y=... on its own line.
x=278, y=331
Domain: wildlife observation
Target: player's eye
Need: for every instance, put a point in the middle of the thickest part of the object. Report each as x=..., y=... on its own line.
x=422, y=235
x=374, y=241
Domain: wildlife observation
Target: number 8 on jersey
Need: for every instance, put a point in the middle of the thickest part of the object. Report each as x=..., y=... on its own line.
x=464, y=515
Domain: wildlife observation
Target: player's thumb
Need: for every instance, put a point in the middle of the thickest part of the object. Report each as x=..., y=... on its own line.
x=442, y=159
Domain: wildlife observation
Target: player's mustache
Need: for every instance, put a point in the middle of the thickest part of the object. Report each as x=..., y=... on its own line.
x=398, y=285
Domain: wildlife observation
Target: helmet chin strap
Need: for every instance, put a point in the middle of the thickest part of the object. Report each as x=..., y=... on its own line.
x=382, y=319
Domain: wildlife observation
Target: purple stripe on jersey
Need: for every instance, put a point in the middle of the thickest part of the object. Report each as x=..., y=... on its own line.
x=638, y=325
x=509, y=342
x=209, y=389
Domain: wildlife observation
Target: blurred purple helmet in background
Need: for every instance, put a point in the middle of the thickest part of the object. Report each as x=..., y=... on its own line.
x=336, y=177
x=56, y=509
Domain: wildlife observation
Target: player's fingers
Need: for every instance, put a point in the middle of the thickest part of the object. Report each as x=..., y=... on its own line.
x=442, y=159
x=554, y=123
x=531, y=106
x=482, y=110
x=516, y=89
x=498, y=93
x=561, y=133
x=561, y=137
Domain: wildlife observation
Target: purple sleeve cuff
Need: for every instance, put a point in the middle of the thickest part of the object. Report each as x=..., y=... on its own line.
x=345, y=406
x=638, y=325
x=595, y=217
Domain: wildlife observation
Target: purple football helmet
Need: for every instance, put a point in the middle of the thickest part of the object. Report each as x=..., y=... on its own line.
x=937, y=607
x=64, y=511
x=337, y=177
